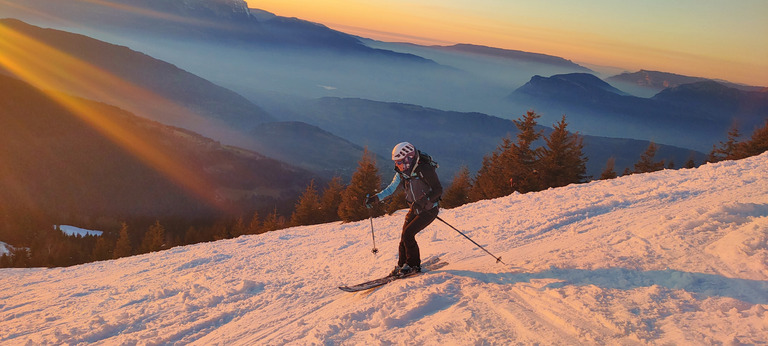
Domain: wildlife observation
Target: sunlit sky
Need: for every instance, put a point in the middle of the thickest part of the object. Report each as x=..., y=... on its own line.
x=725, y=39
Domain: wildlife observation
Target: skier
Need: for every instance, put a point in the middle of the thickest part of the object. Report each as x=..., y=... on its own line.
x=415, y=172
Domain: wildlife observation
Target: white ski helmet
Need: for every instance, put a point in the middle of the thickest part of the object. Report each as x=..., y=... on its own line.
x=401, y=150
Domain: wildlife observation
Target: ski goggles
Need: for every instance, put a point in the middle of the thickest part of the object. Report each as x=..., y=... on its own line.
x=404, y=163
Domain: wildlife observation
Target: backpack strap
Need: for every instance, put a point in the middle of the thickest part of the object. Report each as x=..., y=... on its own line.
x=424, y=158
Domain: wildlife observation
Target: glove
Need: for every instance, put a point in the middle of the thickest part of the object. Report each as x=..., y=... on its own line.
x=371, y=200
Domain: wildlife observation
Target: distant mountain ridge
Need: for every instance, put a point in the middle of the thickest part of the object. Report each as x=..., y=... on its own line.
x=149, y=87
x=574, y=86
x=514, y=54
x=662, y=80
x=716, y=98
x=696, y=115
x=201, y=20
x=229, y=9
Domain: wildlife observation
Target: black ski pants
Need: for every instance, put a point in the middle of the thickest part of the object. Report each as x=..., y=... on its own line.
x=414, y=223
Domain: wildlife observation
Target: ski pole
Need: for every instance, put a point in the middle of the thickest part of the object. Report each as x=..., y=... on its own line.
x=498, y=259
x=374, y=250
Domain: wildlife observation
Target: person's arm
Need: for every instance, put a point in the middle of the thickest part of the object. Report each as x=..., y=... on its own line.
x=390, y=189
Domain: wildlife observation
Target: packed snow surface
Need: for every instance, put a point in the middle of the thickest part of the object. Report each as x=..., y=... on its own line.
x=677, y=256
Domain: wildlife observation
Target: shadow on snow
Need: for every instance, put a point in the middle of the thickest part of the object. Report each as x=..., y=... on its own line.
x=706, y=285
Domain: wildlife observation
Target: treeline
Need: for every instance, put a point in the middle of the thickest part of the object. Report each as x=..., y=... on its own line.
x=513, y=166
x=517, y=165
x=37, y=243
x=735, y=149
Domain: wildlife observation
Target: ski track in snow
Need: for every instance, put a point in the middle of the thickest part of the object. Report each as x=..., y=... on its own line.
x=677, y=256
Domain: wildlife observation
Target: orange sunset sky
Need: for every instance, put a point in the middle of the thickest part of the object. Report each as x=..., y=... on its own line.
x=723, y=39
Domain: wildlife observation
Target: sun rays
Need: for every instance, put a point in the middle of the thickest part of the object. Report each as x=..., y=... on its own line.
x=51, y=70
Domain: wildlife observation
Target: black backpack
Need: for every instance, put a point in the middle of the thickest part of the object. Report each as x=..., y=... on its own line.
x=424, y=158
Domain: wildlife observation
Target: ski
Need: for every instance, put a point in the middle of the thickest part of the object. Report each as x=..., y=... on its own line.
x=428, y=265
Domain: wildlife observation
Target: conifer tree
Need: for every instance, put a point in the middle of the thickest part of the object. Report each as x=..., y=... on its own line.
x=671, y=164
x=272, y=222
x=307, y=210
x=192, y=236
x=220, y=230
x=123, y=246
x=239, y=228
x=756, y=145
x=331, y=200
x=726, y=150
x=20, y=258
x=458, y=193
x=647, y=163
x=254, y=225
x=609, y=171
x=562, y=161
x=102, y=249
x=397, y=202
x=513, y=166
x=491, y=180
x=154, y=239
x=735, y=150
x=365, y=181
x=521, y=163
x=690, y=163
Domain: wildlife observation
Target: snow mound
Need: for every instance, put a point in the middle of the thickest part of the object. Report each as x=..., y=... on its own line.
x=677, y=256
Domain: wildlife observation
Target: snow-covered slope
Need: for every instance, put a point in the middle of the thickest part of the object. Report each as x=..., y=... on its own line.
x=72, y=230
x=5, y=249
x=669, y=257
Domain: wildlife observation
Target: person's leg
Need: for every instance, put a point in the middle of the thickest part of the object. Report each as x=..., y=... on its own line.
x=402, y=254
x=409, y=248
